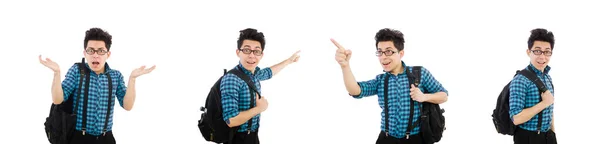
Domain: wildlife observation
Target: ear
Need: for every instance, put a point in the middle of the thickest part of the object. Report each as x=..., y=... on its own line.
x=401, y=54
x=237, y=53
x=528, y=52
x=108, y=54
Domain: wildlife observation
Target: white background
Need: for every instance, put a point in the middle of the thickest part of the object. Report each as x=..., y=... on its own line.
x=472, y=48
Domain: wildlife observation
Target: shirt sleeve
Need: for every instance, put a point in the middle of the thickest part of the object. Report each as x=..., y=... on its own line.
x=71, y=81
x=264, y=74
x=518, y=88
x=430, y=84
x=229, y=96
x=121, y=88
x=367, y=88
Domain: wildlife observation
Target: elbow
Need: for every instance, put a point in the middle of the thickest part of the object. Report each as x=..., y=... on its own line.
x=232, y=123
x=128, y=108
x=354, y=92
x=517, y=120
x=57, y=101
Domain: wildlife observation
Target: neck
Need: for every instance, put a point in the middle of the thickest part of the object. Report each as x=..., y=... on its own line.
x=397, y=70
x=100, y=71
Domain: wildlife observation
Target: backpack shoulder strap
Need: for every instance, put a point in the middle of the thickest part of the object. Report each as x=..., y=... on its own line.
x=541, y=87
x=253, y=89
x=414, y=77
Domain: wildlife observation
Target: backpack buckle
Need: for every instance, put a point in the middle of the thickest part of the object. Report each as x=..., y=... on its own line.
x=386, y=134
x=83, y=132
x=407, y=135
x=538, y=131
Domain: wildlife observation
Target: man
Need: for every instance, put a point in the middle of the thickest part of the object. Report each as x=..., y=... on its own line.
x=390, y=50
x=97, y=44
x=235, y=92
x=524, y=100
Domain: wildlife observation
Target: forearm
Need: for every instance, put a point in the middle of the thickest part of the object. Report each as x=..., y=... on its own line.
x=528, y=113
x=129, y=99
x=437, y=98
x=278, y=67
x=350, y=82
x=243, y=116
x=552, y=124
x=57, y=91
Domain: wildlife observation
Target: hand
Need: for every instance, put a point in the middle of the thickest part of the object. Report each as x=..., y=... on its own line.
x=261, y=103
x=50, y=64
x=342, y=56
x=547, y=98
x=417, y=95
x=294, y=57
x=141, y=71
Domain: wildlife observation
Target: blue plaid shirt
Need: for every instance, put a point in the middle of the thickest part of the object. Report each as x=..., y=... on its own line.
x=525, y=94
x=399, y=98
x=97, y=97
x=235, y=95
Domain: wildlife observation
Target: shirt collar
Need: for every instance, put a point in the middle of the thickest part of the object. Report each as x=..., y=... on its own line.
x=401, y=73
x=246, y=71
x=106, y=68
x=538, y=72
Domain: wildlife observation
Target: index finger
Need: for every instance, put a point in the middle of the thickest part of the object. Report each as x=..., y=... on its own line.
x=336, y=44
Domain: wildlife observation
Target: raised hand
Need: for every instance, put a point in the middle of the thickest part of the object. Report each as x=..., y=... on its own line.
x=141, y=71
x=50, y=64
x=342, y=56
x=294, y=58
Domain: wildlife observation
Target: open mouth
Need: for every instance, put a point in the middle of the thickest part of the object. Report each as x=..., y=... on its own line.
x=250, y=62
x=385, y=64
x=541, y=63
x=95, y=64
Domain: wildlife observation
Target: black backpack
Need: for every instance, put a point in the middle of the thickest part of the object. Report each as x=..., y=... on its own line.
x=211, y=123
x=60, y=124
x=500, y=116
x=432, y=120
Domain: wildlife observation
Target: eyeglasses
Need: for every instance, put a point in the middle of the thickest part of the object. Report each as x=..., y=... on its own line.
x=248, y=51
x=539, y=52
x=99, y=51
x=387, y=53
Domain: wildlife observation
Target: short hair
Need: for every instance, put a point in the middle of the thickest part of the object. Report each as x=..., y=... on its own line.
x=388, y=34
x=251, y=34
x=540, y=34
x=97, y=34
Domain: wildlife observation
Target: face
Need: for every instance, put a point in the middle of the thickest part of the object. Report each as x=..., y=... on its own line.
x=250, y=54
x=390, y=57
x=96, y=54
x=540, y=54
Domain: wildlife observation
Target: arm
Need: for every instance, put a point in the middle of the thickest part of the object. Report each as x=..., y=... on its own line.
x=437, y=98
x=62, y=91
x=518, y=112
x=278, y=67
x=57, y=91
x=432, y=85
x=230, y=87
x=552, y=124
x=129, y=98
x=350, y=82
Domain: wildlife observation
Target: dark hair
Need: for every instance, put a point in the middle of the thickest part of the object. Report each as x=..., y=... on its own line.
x=540, y=34
x=388, y=34
x=251, y=34
x=97, y=34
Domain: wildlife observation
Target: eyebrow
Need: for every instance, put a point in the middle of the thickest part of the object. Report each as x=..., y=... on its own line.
x=96, y=48
x=387, y=48
x=537, y=47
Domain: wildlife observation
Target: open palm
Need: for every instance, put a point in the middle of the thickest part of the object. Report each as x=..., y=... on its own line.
x=49, y=63
x=141, y=71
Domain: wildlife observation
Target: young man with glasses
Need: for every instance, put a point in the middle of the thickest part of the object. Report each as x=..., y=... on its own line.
x=525, y=101
x=94, y=126
x=235, y=93
x=396, y=106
